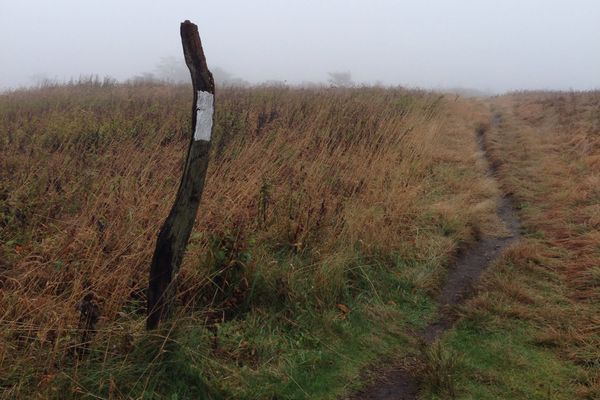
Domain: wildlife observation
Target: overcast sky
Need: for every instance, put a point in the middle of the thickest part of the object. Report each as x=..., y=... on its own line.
x=486, y=44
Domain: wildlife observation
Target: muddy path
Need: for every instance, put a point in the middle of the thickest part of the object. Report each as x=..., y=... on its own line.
x=401, y=383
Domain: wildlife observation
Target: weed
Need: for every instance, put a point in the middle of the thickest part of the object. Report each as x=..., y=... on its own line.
x=439, y=369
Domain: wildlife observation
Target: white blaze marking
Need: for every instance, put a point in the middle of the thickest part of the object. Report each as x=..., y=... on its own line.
x=204, y=116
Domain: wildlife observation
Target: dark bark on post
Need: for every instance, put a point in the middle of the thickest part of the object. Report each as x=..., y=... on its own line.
x=175, y=233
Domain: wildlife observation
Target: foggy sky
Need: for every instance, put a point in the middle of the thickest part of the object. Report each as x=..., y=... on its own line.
x=493, y=45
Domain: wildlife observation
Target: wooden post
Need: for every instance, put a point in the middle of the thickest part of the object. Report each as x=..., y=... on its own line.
x=175, y=232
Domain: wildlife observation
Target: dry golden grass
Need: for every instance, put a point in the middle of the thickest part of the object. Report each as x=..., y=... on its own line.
x=302, y=184
x=559, y=154
x=546, y=149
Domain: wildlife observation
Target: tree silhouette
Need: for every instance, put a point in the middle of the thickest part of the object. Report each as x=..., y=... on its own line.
x=340, y=79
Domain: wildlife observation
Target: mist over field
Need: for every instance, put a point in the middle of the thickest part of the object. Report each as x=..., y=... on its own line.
x=328, y=200
x=485, y=45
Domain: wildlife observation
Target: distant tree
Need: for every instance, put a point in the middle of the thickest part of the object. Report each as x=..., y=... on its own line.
x=340, y=79
x=226, y=78
x=173, y=70
x=310, y=85
x=220, y=75
x=236, y=82
x=143, y=78
x=274, y=83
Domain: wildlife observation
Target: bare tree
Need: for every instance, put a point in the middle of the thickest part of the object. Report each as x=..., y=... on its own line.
x=226, y=78
x=173, y=70
x=340, y=79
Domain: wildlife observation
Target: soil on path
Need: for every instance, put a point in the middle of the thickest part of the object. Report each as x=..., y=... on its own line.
x=401, y=383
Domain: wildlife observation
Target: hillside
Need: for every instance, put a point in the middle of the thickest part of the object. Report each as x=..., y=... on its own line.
x=328, y=223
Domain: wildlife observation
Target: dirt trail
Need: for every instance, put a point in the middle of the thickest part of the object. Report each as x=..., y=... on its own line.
x=401, y=383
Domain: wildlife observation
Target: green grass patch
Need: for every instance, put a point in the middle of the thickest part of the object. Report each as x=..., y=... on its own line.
x=310, y=353
x=502, y=362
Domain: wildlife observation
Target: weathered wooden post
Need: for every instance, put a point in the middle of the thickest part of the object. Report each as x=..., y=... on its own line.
x=175, y=232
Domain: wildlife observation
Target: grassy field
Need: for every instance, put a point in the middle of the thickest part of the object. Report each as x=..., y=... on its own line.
x=327, y=223
x=533, y=332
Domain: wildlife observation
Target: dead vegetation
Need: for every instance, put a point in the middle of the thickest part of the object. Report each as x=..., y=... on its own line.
x=546, y=148
x=306, y=192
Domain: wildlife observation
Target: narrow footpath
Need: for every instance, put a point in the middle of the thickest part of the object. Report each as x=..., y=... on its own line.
x=402, y=383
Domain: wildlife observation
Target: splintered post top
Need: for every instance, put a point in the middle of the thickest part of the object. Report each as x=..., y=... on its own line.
x=202, y=78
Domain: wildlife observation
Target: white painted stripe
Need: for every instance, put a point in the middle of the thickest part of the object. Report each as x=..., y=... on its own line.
x=204, y=116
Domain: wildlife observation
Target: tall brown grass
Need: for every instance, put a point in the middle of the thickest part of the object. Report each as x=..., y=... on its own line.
x=548, y=151
x=301, y=183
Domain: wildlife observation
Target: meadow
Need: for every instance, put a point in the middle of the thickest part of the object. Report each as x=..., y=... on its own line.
x=328, y=221
x=533, y=331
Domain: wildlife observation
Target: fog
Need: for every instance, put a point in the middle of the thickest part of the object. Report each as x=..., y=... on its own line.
x=488, y=45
